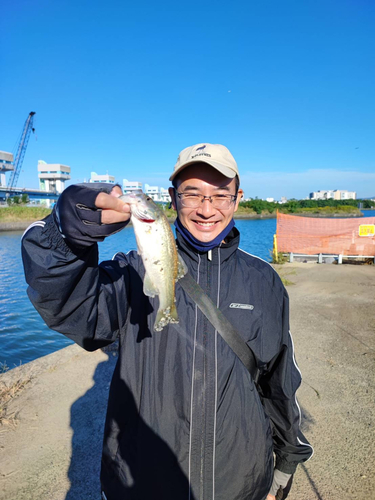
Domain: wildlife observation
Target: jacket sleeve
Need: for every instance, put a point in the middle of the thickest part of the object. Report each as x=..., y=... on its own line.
x=277, y=387
x=70, y=291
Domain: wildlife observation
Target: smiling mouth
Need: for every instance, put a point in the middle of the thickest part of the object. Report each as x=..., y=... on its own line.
x=205, y=224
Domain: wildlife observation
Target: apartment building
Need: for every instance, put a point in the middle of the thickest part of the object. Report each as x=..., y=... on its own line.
x=335, y=194
x=102, y=178
x=130, y=186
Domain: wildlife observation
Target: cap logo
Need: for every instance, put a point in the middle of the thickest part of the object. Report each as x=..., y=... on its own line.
x=200, y=152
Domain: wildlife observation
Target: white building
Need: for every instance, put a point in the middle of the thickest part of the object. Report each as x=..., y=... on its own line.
x=157, y=193
x=131, y=186
x=52, y=176
x=164, y=195
x=6, y=165
x=322, y=195
x=110, y=179
x=335, y=194
x=152, y=192
x=345, y=195
x=270, y=200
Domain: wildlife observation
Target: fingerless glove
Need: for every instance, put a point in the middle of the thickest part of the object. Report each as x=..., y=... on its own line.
x=78, y=219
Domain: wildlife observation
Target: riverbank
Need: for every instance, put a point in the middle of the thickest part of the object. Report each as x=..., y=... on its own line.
x=54, y=449
x=21, y=224
x=18, y=218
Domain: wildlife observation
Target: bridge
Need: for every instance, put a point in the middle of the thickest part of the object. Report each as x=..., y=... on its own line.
x=33, y=194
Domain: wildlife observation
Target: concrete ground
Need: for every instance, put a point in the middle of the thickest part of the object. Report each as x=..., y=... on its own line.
x=53, y=453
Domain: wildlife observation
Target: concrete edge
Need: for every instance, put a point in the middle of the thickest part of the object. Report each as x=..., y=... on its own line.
x=40, y=365
x=16, y=225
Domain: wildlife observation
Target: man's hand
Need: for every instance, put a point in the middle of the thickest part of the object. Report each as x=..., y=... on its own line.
x=86, y=214
x=114, y=210
x=271, y=497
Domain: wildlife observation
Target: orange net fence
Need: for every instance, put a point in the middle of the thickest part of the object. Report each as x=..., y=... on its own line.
x=307, y=235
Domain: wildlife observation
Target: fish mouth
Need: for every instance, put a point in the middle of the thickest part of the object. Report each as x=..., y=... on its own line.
x=143, y=216
x=147, y=220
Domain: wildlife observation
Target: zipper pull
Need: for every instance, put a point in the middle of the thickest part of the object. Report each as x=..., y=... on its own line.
x=209, y=255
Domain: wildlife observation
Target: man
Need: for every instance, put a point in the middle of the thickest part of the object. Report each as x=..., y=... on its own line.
x=185, y=419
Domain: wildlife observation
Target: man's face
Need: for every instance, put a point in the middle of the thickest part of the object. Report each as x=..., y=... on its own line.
x=204, y=222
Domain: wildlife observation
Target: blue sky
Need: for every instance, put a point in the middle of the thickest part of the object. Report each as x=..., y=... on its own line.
x=118, y=86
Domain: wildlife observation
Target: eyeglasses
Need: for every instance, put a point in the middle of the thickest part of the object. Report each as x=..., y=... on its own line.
x=220, y=201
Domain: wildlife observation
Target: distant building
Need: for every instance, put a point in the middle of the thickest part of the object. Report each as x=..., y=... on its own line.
x=345, y=195
x=152, y=192
x=52, y=176
x=110, y=179
x=322, y=195
x=164, y=195
x=157, y=193
x=283, y=200
x=335, y=194
x=130, y=187
x=270, y=200
x=6, y=165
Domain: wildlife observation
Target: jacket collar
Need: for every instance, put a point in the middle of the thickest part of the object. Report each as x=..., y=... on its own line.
x=226, y=249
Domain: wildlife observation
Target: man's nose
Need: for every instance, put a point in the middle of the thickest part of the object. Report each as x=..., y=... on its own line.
x=206, y=209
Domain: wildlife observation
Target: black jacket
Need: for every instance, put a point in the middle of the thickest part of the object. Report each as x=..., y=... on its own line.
x=184, y=419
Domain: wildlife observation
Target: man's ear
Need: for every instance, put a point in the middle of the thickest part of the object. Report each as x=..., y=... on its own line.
x=172, y=194
x=239, y=197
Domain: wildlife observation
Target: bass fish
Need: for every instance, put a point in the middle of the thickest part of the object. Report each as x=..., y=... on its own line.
x=157, y=247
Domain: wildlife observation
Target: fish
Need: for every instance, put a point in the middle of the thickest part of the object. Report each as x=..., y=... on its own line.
x=157, y=248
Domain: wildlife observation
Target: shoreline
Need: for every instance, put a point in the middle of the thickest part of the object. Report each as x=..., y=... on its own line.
x=21, y=225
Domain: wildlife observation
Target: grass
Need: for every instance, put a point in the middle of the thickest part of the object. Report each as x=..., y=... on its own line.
x=21, y=213
x=281, y=258
x=170, y=213
x=18, y=213
x=286, y=282
x=7, y=394
x=342, y=210
x=283, y=273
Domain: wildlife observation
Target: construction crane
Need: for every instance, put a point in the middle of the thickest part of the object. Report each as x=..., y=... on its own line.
x=28, y=127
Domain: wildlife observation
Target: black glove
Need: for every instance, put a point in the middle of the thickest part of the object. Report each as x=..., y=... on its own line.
x=77, y=217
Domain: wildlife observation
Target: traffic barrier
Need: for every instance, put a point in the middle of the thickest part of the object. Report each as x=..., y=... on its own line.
x=312, y=236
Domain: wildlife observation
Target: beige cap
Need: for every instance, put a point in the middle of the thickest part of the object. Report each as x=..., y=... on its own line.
x=215, y=155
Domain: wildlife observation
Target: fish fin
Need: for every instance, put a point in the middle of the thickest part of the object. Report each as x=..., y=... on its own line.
x=165, y=316
x=149, y=288
x=181, y=267
x=174, y=315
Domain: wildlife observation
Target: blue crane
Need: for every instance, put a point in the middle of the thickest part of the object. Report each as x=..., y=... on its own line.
x=28, y=127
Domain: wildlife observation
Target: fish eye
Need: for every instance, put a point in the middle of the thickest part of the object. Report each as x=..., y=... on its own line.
x=148, y=198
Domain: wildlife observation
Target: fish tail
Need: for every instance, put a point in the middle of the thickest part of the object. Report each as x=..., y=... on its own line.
x=165, y=316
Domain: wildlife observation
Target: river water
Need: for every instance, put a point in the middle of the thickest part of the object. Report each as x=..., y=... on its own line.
x=23, y=334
